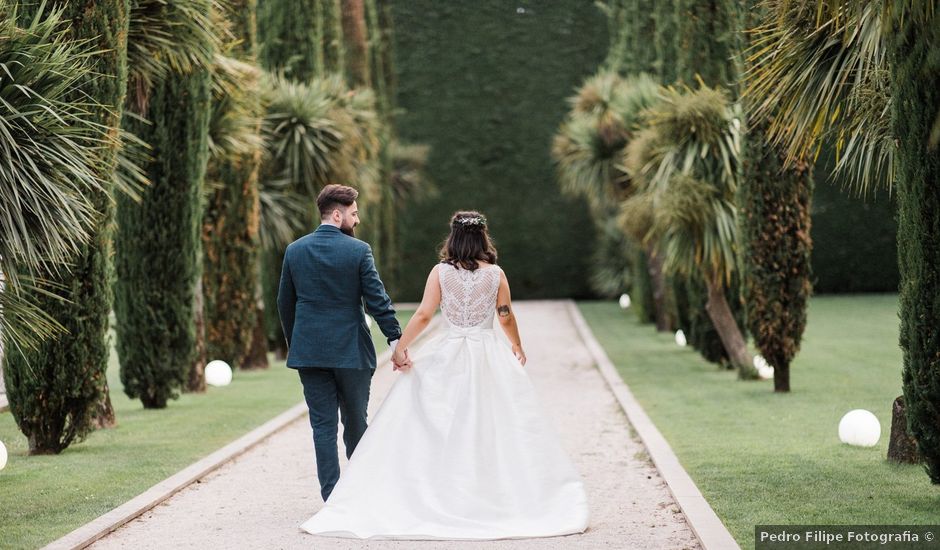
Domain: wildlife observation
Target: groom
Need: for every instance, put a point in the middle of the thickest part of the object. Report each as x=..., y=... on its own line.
x=327, y=277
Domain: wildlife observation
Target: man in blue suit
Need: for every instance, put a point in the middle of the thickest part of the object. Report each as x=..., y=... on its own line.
x=326, y=279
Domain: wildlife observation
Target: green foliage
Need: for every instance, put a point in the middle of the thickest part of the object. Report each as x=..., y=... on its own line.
x=605, y=114
x=168, y=37
x=854, y=239
x=489, y=113
x=158, y=241
x=587, y=149
x=302, y=39
x=230, y=227
x=612, y=265
x=775, y=200
x=709, y=36
x=54, y=388
x=52, y=167
x=692, y=176
x=915, y=61
x=820, y=74
x=632, y=31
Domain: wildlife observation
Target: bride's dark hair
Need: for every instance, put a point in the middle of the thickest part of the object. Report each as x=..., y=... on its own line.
x=468, y=242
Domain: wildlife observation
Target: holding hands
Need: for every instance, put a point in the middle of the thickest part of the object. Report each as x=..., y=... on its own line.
x=400, y=359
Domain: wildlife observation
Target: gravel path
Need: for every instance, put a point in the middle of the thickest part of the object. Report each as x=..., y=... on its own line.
x=260, y=499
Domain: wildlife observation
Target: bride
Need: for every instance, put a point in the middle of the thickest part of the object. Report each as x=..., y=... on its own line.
x=459, y=449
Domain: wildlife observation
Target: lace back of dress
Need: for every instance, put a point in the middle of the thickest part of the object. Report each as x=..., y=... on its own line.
x=468, y=298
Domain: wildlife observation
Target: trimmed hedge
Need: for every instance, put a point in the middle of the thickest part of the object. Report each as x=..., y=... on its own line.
x=484, y=84
x=854, y=239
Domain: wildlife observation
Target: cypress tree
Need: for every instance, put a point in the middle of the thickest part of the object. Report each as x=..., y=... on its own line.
x=231, y=221
x=158, y=241
x=915, y=79
x=774, y=200
x=59, y=391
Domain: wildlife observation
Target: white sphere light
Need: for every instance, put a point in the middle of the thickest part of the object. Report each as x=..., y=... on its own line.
x=624, y=301
x=218, y=373
x=680, y=338
x=860, y=428
x=764, y=370
x=3, y=455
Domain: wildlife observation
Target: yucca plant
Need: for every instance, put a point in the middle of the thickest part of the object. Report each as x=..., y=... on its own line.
x=587, y=148
x=689, y=163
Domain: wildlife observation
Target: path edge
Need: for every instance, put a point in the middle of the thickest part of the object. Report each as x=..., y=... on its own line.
x=105, y=524
x=708, y=528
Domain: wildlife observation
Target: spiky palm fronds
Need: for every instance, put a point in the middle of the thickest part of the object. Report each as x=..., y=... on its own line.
x=687, y=162
x=586, y=148
x=699, y=133
x=235, y=122
x=49, y=143
x=169, y=36
x=283, y=213
x=698, y=228
x=321, y=132
x=819, y=74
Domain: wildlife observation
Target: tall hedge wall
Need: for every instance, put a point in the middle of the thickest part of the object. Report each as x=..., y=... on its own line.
x=484, y=83
x=854, y=239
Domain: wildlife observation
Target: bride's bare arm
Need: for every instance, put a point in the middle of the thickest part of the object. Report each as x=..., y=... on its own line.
x=422, y=316
x=507, y=319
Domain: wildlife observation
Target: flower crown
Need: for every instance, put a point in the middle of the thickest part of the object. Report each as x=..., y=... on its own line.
x=478, y=221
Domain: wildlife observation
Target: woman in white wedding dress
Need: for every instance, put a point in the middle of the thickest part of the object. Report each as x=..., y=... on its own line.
x=460, y=448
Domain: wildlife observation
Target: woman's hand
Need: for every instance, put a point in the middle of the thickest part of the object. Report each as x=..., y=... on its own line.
x=520, y=355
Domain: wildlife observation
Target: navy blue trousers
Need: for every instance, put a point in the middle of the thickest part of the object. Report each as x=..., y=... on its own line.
x=326, y=392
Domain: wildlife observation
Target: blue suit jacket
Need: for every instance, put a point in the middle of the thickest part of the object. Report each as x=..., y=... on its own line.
x=326, y=278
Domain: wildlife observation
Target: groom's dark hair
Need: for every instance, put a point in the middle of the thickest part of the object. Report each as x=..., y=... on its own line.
x=334, y=196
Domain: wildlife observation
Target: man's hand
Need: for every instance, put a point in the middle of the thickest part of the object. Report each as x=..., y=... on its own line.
x=400, y=360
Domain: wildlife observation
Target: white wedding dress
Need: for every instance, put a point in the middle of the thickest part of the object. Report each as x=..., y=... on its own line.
x=459, y=449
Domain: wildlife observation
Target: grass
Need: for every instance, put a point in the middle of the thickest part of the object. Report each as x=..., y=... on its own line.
x=765, y=458
x=45, y=497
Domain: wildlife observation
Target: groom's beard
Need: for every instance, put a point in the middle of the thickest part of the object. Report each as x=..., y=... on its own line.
x=349, y=230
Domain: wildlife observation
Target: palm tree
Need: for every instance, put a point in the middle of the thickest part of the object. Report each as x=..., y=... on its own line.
x=587, y=150
x=59, y=142
x=865, y=77
x=688, y=163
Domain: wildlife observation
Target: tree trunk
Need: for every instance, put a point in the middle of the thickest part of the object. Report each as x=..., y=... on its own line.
x=104, y=414
x=729, y=332
x=196, y=377
x=902, y=447
x=257, y=357
x=357, y=47
x=658, y=278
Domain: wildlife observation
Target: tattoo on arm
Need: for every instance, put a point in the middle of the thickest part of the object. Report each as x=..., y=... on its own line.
x=503, y=311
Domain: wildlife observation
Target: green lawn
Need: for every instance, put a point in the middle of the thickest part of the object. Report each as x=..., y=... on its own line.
x=765, y=458
x=45, y=497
